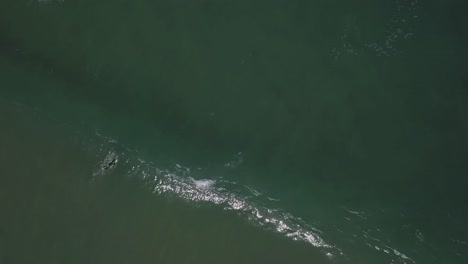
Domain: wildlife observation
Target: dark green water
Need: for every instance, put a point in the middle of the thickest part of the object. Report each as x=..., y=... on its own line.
x=246, y=131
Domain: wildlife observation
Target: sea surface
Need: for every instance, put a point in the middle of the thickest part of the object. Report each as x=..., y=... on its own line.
x=233, y=131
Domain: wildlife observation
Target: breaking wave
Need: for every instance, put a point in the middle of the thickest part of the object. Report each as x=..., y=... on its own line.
x=179, y=181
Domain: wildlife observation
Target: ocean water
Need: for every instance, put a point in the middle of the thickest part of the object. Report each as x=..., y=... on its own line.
x=239, y=131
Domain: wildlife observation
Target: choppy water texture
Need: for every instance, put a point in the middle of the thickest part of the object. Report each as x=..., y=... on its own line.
x=233, y=131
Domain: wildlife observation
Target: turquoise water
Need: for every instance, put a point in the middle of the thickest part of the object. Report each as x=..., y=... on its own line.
x=245, y=131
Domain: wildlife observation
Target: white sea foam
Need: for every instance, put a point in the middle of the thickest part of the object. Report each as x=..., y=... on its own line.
x=229, y=195
x=399, y=29
x=206, y=191
x=248, y=202
x=203, y=184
